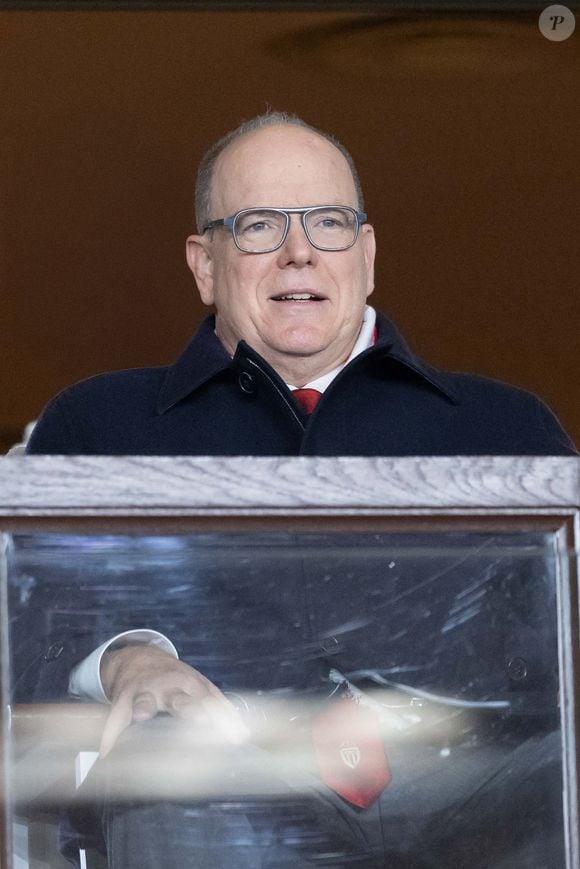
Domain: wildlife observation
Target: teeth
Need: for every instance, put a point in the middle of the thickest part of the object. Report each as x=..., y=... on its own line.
x=296, y=297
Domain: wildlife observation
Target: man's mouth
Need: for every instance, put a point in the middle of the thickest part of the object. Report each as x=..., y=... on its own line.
x=297, y=297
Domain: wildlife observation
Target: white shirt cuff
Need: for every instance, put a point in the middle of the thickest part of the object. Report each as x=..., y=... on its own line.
x=85, y=679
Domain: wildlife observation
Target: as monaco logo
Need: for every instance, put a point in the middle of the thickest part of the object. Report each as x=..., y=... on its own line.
x=350, y=755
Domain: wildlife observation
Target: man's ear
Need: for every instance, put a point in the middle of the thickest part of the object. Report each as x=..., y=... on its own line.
x=200, y=262
x=369, y=250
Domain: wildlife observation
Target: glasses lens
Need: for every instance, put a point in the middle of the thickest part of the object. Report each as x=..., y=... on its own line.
x=259, y=230
x=332, y=228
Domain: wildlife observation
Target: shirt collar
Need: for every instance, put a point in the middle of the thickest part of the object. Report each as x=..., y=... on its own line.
x=366, y=339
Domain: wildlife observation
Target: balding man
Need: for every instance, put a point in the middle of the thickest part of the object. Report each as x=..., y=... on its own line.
x=285, y=255
x=294, y=363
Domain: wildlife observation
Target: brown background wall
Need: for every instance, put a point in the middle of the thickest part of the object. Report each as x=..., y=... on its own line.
x=465, y=129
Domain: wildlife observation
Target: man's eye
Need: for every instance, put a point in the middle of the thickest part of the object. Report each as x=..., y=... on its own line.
x=256, y=227
x=329, y=223
x=331, y=219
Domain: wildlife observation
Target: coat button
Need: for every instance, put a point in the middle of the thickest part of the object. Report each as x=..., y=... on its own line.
x=247, y=383
x=53, y=652
x=329, y=645
x=517, y=669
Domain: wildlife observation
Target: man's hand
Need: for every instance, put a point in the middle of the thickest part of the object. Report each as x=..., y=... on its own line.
x=142, y=681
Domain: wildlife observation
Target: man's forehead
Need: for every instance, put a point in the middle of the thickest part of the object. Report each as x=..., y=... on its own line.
x=278, y=161
x=290, y=135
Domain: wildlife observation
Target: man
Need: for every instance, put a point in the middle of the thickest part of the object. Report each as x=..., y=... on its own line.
x=285, y=255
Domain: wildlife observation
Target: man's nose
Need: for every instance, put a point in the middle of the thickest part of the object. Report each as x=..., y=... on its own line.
x=296, y=248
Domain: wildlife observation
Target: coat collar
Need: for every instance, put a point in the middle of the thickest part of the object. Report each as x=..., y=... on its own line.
x=393, y=345
x=205, y=357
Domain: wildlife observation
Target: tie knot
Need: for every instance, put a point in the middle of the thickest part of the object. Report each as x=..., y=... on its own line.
x=307, y=398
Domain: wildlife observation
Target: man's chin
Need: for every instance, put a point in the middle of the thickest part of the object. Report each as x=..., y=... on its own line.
x=300, y=349
x=303, y=342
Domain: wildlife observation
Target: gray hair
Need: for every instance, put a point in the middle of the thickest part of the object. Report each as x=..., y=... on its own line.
x=203, y=186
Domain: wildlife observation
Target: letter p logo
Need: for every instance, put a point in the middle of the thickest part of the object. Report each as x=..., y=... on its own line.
x=557, y=23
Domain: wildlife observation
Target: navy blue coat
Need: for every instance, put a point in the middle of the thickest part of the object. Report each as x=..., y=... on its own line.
x=386, y=402
x=278, y=618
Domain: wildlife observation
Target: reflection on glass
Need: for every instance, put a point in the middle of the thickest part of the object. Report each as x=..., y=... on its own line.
x=399, y=695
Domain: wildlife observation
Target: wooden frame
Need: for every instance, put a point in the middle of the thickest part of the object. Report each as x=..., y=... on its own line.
x=44, y=493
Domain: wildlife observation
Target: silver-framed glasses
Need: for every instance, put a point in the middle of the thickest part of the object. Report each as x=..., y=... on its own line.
x=262, y=230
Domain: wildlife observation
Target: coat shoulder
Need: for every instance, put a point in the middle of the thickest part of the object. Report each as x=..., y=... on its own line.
x=521, y=418
x=70, y=421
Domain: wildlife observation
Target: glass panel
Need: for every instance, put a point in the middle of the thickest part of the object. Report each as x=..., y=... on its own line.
x=414, y=673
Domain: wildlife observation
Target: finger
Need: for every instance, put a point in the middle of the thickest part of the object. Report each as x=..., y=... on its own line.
x=213, y=711
x=216, y=693
x=226, y=720
x=119, y=719
x=185, y=701
x=180, y=704
x=144, y=706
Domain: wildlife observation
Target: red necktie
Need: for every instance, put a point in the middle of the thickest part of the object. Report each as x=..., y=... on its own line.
x=350, y=752
x=307, y=398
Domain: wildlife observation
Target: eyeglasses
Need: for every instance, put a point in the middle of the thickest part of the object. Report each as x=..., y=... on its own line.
x=262, y=230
